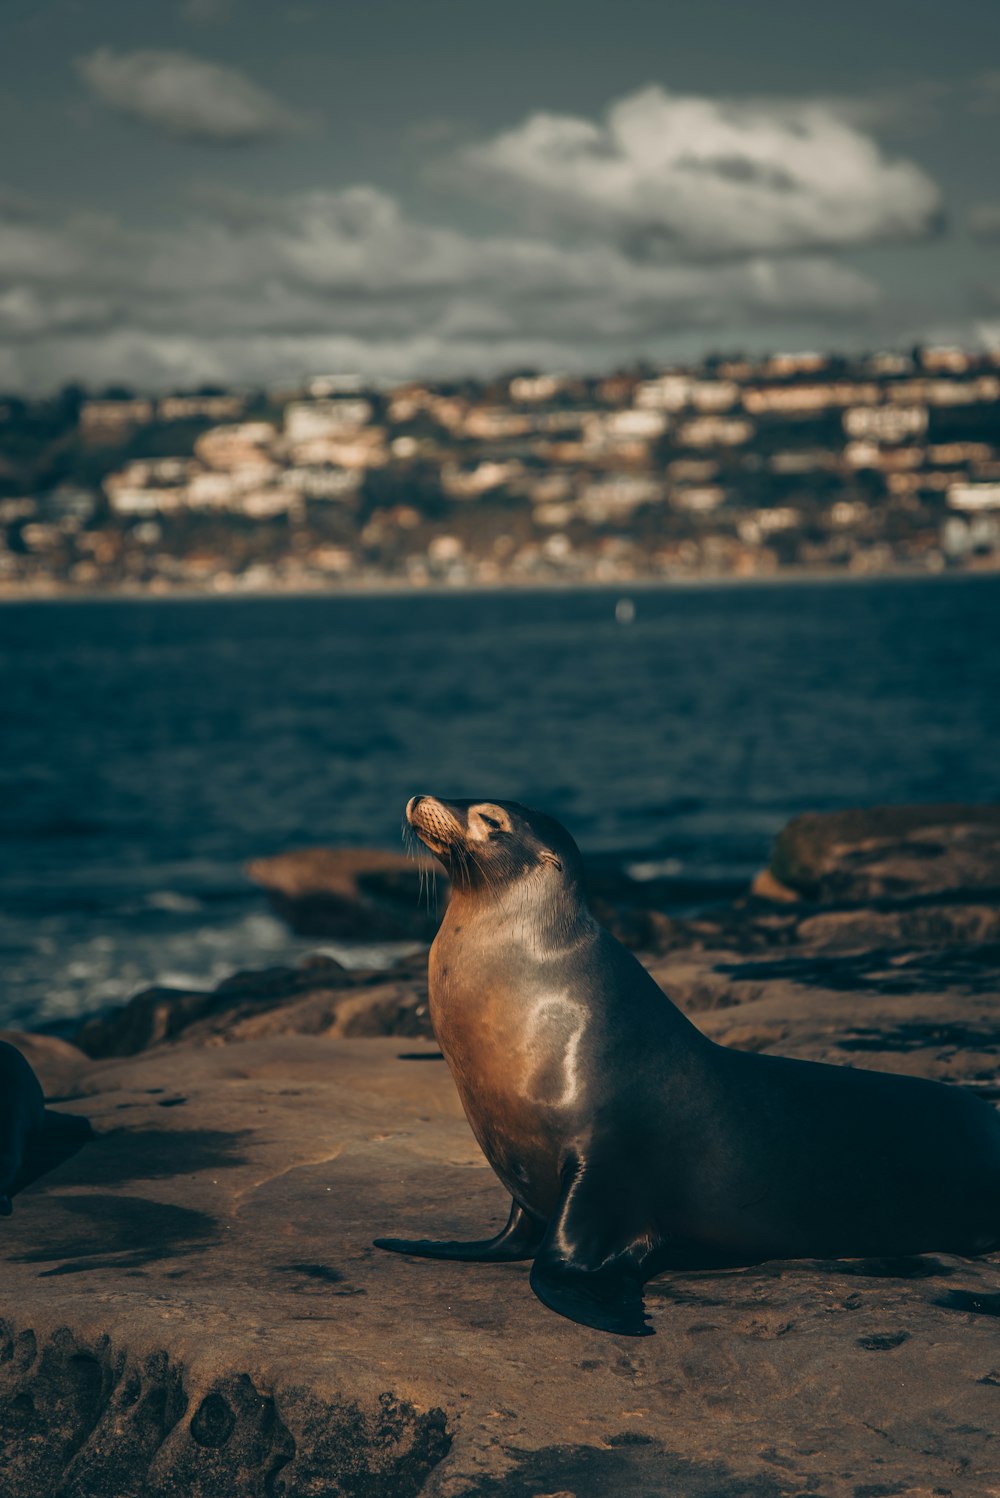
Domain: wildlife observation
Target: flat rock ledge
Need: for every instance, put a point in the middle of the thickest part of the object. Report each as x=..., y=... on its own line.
x=192, y=1306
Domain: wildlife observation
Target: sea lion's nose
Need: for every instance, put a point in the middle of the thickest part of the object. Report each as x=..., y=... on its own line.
x=412, y=805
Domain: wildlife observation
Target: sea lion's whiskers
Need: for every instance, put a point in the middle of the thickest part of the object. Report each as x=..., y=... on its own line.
x=474, y=861
x=409, y=840
x=463, y=863
x=412, y=852
x=457, y=869
x=490, y=883
x=428, y=873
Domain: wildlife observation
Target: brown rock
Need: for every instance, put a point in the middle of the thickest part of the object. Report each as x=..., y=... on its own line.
x=893, y=851
x=699, y=982
x=766, y=887
x=320, y=997
x=55, y=1062
x=641, y=928
x=937, y=926
x=358, y=893
x=377, y=1005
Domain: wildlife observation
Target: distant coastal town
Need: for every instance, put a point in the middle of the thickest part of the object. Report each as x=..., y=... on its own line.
x=734, y=468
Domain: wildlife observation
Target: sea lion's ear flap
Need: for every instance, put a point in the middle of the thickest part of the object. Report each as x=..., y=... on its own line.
x=546, y=857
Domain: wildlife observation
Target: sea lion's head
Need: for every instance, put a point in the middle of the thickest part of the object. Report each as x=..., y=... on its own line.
x=487, y=846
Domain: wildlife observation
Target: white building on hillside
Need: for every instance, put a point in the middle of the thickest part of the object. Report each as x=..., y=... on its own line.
x=885, y=423
x=974, y=497
x=307, y=420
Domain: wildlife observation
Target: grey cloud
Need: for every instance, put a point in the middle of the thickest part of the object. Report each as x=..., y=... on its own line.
x=903, y=111
x=684, y=176
x=325, y=278
x=186, y=97
x=206, y=12
x=984, y=95
x=15, y=206
x=984, y=221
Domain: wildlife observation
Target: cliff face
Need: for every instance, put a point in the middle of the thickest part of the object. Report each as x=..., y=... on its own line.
x=191, y=1305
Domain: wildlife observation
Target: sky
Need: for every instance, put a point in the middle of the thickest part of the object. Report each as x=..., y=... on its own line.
x=239, y=191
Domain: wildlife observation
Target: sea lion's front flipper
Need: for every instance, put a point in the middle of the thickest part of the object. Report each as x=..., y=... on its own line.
x=518, y=1240
x=589, y=1266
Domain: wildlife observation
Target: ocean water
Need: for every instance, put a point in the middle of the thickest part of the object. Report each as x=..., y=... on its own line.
x=150, y=748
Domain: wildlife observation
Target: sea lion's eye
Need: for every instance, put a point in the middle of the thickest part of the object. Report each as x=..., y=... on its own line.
x=490, y=822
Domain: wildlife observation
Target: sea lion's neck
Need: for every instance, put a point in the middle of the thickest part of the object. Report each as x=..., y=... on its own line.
x=522, y=919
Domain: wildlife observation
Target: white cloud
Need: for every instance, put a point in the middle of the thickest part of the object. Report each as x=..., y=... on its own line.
x=262, y=289
x=186, y=97
x=671, y=176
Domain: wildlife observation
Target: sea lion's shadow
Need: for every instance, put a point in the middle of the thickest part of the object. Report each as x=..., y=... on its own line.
x=681, y=1281
x=78, y=1234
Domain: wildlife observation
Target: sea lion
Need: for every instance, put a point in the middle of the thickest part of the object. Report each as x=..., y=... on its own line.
x=22, y=1111
x=33, y=1138
x=629, y=1142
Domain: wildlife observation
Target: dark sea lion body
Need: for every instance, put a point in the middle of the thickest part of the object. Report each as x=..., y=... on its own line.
x=33, y=1138
x=22, y=1111
x=628, y=1141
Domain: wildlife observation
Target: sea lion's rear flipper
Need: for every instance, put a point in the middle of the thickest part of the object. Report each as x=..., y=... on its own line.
x=518, y=1240
x=588, y=1267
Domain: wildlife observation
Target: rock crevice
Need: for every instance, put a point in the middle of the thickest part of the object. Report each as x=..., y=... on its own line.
x=85, y=1419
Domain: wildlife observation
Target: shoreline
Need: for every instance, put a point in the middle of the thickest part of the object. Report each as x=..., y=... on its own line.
x=398, y=588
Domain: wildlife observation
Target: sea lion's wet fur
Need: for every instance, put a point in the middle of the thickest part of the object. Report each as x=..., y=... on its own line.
x=33, y=1139
x=631, y=1143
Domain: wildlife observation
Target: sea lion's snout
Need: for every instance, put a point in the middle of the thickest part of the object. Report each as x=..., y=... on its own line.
x=420, y=809
x=434, y=823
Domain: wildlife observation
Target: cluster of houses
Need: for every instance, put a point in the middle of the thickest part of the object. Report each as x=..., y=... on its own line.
x=736, y=466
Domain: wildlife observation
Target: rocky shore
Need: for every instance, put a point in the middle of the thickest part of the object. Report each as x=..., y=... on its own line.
x=192, y=1305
